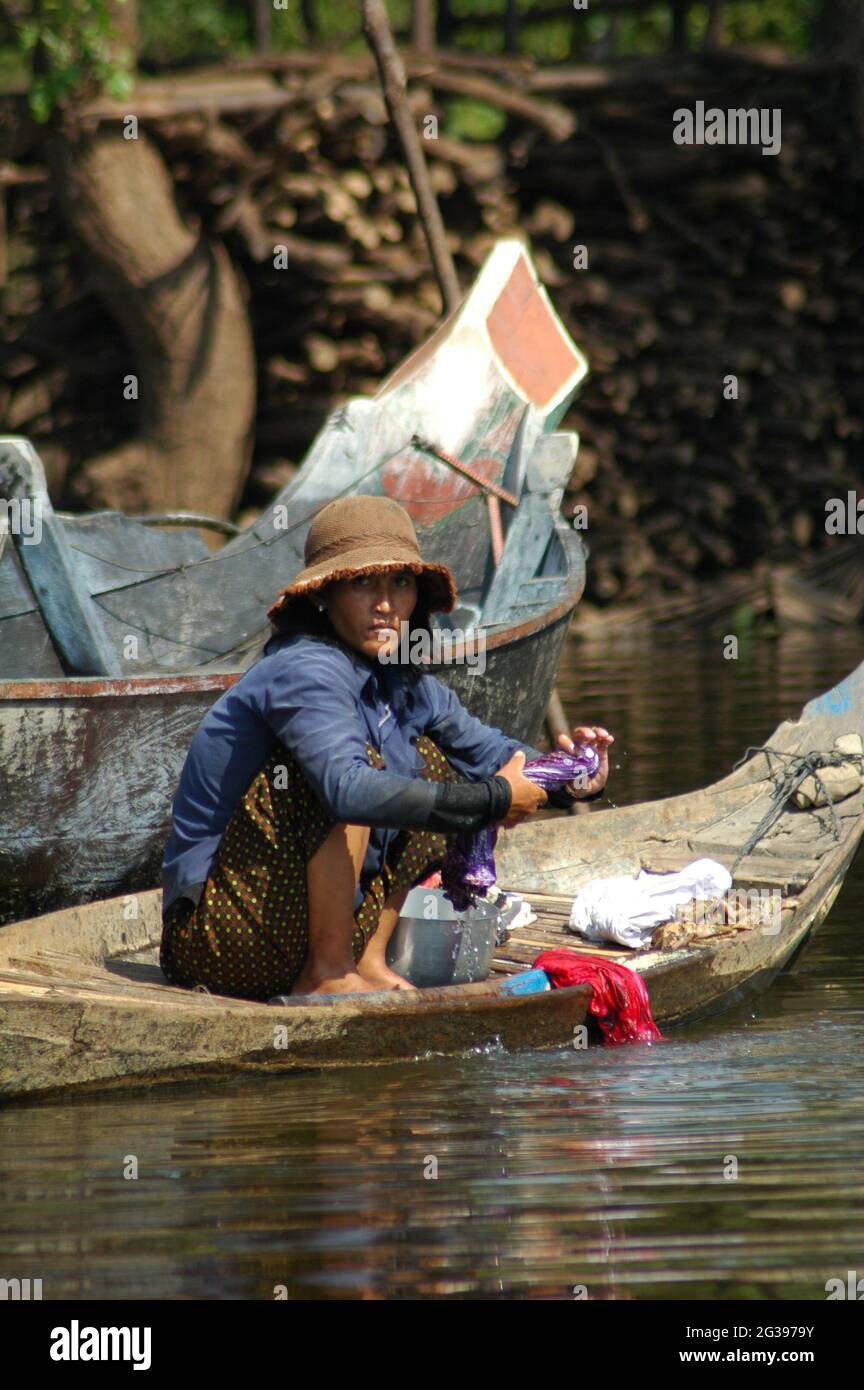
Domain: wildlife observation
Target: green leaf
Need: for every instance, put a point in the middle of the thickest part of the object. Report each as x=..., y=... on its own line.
x=119, y=85
x=41, y=101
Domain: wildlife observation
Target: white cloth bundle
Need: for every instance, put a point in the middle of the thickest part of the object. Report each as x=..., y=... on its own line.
x=626, y=910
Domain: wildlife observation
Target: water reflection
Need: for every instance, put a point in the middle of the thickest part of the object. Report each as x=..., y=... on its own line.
x=503, y=1176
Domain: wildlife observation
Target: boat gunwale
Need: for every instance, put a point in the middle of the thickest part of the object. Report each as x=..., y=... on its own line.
x=442, y=998
x=97, y=687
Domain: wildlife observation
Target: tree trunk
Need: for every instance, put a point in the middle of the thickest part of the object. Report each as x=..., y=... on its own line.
x=423, y=25
x=714, y=31
x=262, y=25
x=679, y=25
x=190, y=376
x=444, y=27
x=124, y=21
x=182, y=307
x=838, y=30
x=310, y=18
x=511, y=28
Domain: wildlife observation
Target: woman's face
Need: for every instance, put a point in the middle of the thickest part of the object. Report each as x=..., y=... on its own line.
x=368, y=610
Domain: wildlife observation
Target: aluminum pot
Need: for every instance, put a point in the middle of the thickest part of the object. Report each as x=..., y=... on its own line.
x=433, y=944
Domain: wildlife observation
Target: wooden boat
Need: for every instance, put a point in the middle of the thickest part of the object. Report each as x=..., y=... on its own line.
x=83, y=1005
x=474, y=409
x=114, y=639
x=827, y=591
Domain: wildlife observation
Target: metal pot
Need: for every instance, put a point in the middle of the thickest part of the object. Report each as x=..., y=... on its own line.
x=433, y=944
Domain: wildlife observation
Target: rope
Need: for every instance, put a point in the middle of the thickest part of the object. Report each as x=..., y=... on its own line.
x=787, y=778
x=478, y=479
x=221, y=555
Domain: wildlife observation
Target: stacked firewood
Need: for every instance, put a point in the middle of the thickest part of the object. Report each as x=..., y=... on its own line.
x=717, y=297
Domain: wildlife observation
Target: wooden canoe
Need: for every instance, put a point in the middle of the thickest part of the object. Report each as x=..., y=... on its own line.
x=827, y=591
x=83, y=1006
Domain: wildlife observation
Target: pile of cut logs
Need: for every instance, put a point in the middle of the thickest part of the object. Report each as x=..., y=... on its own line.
x=718, y=295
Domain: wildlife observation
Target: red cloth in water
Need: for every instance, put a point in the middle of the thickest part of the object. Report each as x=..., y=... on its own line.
x=619, y=999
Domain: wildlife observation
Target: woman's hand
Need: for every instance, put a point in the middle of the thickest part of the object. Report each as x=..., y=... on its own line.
x=587, y=734
x=527, y=796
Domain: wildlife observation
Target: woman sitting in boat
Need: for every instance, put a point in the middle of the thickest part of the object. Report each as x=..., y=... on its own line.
x=321, y=787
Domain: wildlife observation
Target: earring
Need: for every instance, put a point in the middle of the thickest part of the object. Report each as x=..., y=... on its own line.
x=321, y=607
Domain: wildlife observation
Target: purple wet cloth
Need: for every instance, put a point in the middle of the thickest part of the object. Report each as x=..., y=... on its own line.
x=556, y=768
x=468, y=870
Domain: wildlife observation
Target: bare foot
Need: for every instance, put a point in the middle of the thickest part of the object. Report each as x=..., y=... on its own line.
x=380, y=976
x=311, y=981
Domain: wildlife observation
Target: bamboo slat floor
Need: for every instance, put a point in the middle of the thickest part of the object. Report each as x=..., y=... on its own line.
x=548, y=933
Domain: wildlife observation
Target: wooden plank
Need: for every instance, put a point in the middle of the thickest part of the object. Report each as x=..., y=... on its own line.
x=559, y=899
x=769, y=869
x=522, y=955
x=527, y=538
x=759, y=867
x=26, y=633
x=67, y=608
x=16, y=600
x=570, y=941
x=538, y=593
x=111, y=549
x=542, y=940
x=551, y=465
x=506, y=967
x=545, y=921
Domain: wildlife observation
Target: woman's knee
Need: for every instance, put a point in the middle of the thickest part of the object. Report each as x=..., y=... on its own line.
x=437, y=767
x=344, y=844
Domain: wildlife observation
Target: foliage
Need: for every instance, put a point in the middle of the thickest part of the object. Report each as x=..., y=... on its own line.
x=787, y=23
x=66, y=45
x=71, y=49
x=467, y=119
x=639, y=31
x=172, y=31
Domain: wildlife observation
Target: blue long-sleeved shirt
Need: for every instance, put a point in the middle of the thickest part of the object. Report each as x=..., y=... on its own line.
x=325, y=703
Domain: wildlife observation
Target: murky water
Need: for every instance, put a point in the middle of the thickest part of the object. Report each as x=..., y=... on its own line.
x=724, y=1164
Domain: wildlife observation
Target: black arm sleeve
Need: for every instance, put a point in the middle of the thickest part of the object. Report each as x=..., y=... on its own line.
x=469, y=805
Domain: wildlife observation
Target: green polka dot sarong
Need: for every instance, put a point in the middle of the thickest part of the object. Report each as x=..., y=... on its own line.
x=248, y=936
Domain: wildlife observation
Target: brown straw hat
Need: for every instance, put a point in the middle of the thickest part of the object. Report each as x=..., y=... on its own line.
x=365, y=535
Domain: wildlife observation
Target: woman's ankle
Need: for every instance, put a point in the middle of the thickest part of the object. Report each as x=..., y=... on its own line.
x=325, y=965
